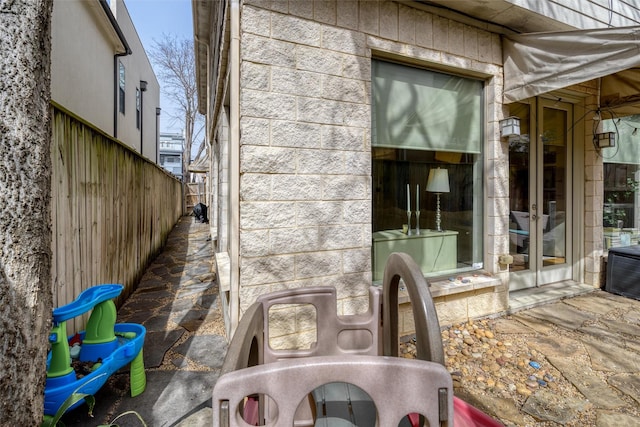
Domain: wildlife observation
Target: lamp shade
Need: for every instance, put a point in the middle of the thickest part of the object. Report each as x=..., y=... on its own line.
x=438, y=181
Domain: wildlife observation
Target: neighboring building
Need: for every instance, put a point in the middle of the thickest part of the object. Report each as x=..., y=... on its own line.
x=325, y=121
x=171, y=146
x=101, y=73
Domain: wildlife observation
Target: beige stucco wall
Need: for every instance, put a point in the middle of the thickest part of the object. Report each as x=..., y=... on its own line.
x=82, y=62
x=138, y=67
x=305, y=158
x=82, y=71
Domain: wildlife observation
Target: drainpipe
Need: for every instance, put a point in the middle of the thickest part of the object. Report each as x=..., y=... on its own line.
x=234, y=167
x=158, y=111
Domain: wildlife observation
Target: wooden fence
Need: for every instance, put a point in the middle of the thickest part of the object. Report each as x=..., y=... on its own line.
x=196, y=192
x=112, y=210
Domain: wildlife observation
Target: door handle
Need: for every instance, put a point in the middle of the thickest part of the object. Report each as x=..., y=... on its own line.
x=534, y=217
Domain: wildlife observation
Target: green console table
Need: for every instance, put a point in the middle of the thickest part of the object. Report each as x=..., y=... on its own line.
x=431, y=250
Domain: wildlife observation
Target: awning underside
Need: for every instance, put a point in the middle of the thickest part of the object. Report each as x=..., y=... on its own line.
x=538, y=63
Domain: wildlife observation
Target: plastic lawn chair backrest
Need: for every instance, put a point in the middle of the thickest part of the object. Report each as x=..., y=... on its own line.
x=397, y=387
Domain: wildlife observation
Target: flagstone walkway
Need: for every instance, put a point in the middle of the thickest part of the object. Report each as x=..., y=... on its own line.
x=177, y=301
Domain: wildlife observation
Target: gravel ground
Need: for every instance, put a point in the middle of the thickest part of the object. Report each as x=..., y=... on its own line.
x=498, y=373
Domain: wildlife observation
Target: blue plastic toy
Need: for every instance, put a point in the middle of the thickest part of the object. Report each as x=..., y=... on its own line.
x=108, y=345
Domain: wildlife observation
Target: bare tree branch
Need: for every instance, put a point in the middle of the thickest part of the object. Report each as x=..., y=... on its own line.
x=175, y=61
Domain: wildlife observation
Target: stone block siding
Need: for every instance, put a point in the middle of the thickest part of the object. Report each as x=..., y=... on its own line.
x=305, y=158
x=457, y=308
x=593, y=206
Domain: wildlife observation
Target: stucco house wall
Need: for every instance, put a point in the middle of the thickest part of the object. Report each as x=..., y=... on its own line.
x=84, y=43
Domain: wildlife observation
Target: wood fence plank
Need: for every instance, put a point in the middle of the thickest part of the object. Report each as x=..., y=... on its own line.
x=111, y=210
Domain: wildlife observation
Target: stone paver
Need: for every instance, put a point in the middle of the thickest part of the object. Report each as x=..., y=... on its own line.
x=590, y=385
x=628, y=384
x=610, y=358
x=610, y=419
x=560, y=410
x=594, y=305
x=553, y=345
x=561, y=314
x=539, y=326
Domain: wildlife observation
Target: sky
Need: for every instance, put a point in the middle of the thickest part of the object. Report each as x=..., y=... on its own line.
x=152, y=19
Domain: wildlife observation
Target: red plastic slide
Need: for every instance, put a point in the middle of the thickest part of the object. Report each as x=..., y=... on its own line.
x=464, y=415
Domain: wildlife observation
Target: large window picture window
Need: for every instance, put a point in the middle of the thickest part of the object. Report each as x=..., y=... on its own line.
x=427, y=168
x=121, y=86
x=621, y=210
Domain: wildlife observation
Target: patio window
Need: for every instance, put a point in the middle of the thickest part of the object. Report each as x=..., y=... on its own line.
x=121, y=85
x=137, y=108
x=424, y=120
x=621, y=180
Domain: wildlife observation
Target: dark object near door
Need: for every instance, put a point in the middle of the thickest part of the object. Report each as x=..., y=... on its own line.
x=200, y=212
x=623, y=271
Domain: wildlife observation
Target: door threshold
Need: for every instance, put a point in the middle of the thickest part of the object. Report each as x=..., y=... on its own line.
x=532, y=297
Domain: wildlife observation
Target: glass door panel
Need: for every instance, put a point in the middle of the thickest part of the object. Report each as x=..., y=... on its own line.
x=555, y=190
x=539, y=185
x=554, y=204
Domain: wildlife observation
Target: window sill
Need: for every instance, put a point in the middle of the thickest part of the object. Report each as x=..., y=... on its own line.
x=454, y=285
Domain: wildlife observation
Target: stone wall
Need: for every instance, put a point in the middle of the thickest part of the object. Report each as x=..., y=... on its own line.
x=305, y=157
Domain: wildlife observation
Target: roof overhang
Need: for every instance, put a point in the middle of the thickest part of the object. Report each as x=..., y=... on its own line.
x=110, y=24
x=539, y=63
x=201, y=13
x=200, y=165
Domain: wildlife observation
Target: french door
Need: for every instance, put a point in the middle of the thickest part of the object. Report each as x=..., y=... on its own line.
x=540, y=194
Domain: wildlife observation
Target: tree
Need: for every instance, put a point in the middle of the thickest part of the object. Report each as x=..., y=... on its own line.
x=25, y=208
x=176, y=61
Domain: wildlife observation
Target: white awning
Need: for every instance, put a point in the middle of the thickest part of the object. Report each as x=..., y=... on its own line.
x=199, y=165
x=538, y=63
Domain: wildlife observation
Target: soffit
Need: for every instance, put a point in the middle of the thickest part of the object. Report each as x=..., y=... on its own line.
x=511, y=17
x=201, y=12
x=107, y=24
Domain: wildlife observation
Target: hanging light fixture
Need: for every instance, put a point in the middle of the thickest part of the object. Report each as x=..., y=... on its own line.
x=604, y=140
x=510, y=126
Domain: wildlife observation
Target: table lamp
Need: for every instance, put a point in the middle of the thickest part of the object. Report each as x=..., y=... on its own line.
x=438, y=182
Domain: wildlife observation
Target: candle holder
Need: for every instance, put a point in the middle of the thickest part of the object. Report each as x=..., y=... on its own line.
x=409, y=223
x=417, y=222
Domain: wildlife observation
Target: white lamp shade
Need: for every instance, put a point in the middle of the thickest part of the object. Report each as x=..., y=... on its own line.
x=438, y=181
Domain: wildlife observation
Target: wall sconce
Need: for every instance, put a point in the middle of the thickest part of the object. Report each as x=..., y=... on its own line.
x=510, y=126
x=604, y=140
x=438, y=182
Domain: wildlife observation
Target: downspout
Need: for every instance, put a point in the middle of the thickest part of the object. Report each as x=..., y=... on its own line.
x=158, y=111
x=143, y=89
x=234, y=168
x=116, y=74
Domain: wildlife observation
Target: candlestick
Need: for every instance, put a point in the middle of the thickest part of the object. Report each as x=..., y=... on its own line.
x=409, y=232
x=417, y=223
